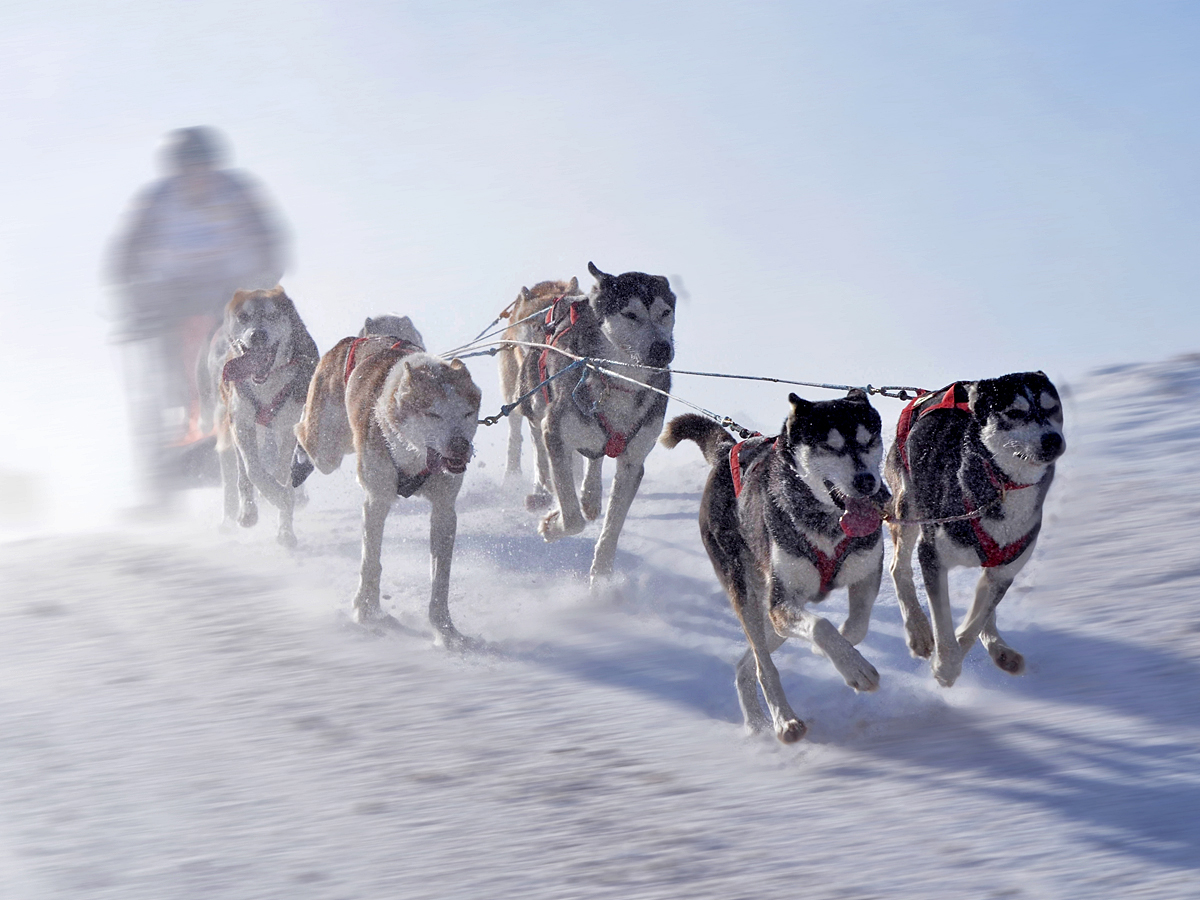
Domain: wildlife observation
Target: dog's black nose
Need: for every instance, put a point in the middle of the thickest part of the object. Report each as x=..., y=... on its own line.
x=865, y=483
x=1052, y=445
x=257, y=336
x=660, y=354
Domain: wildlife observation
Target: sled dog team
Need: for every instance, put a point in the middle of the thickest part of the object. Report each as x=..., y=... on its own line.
x=785, y=519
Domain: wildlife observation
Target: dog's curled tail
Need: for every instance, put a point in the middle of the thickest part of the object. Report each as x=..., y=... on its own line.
x=711, y=437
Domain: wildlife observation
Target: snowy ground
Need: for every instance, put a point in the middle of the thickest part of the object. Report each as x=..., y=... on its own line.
x=185, y=715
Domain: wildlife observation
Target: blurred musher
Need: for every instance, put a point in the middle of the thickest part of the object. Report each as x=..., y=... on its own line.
x=190, y=240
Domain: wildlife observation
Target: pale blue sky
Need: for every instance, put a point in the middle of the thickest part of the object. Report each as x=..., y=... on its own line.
x=851, y=192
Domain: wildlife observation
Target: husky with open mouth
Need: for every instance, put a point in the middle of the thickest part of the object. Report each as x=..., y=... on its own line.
x=260, y=360
x=785, y=521
x=970, y=470
x=411, y=419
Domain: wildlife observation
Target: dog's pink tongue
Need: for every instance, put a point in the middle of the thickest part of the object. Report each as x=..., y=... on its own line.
x=862, y=517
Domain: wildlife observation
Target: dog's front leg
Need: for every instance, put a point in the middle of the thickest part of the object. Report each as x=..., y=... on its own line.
x=228, y=458
x=286, y=534
x=981, y=620
x=247, y=506
x=626, y=481
x=862, y=601
x=791, y=618
x=589, y=496
x=946, y=661
x=567, y=519
x=1001, y=653
x=376, y=505
x=266, y=482
x=443, y=525
x=917, y=632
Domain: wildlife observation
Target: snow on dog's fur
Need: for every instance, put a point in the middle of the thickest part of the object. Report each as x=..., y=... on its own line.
x=260, y=361
x=970, y=470
x=323, y=432
x=626, y=318
x=509, y=360
x=411, y=419
x=785, y=520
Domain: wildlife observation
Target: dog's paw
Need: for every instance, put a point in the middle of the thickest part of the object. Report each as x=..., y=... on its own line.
x=1006, y=658
x=553, y=527
x=248, y=516
x=791, y=731
x=589, y=502
x=375, y=620
x=286, y=538
x=451, y=639
x=537, y=501
x=302, y=467
x=946, y=667
x=227, y=526
x=919, y=636
x=857, y=672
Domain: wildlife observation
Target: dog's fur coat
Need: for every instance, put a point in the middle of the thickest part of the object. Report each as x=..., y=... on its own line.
x=323, y=432
x=626, y=318
x=794, y=518
x=411, y=418
x=980, y=454
x=509, y=360
x=260, y=362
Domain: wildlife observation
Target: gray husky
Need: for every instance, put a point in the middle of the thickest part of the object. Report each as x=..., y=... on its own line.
x=786, y=520
x=970, y=469
x=626, y=324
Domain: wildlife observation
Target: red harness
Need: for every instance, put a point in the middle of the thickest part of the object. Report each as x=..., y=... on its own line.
x=263, y=415
x=827, y=566
x=908, y=415
x=351, y=360
x=615, y=441
x=955, y=397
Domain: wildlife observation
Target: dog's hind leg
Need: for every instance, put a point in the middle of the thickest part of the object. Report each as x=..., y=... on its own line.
x=947, y=658
x=917, y=632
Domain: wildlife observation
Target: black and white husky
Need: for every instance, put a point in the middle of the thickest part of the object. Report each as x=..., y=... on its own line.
x=626, y=319
x=969, y=471
x=786, y=520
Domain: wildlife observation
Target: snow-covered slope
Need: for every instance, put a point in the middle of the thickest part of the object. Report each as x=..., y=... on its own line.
x=184, y=715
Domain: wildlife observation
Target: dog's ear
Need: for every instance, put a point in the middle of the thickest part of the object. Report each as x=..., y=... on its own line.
x=573, y=285
x=523, y=295
x=603, y=278
x=858, y=395
x=799, y=404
